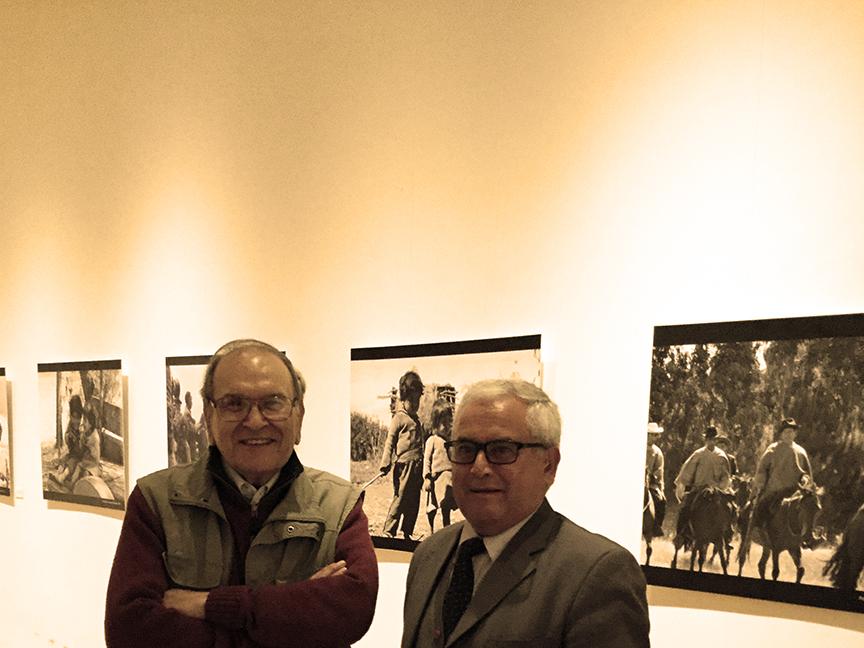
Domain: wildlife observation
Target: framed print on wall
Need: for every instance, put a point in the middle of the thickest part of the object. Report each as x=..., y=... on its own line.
x=83, y=433
x=187, y=433
x=5, y=445
x=769, y=414
x=407, y=501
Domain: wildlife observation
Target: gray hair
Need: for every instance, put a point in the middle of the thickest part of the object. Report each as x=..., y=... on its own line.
x=541, y=417
x=238, y=345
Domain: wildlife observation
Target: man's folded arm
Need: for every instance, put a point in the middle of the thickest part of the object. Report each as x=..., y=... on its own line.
x=328, y=611
x=135, y=615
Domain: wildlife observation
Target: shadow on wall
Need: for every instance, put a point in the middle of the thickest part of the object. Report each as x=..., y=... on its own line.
x=673, y=597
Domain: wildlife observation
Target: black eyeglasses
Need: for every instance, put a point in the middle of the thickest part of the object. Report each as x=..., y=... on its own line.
x=234, y=409
x=499, y=451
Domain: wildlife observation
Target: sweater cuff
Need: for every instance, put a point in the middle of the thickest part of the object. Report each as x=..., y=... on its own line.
x=229, y=606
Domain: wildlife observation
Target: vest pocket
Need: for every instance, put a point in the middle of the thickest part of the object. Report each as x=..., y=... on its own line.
x=285, y=552
x=192, y=573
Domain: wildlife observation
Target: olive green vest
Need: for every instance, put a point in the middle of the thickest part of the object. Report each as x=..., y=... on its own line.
x=296, y=540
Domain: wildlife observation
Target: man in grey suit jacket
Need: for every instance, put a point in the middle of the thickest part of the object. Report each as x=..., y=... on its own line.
x=537, y=579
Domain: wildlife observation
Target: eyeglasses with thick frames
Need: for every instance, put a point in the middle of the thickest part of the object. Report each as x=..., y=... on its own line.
x=233, y=409
x=499, y=451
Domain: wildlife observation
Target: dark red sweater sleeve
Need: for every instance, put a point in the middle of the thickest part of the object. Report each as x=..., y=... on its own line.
x=326, y=612
x=134, y=614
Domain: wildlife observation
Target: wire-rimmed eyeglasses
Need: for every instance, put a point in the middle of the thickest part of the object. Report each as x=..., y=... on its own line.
x=233, y=408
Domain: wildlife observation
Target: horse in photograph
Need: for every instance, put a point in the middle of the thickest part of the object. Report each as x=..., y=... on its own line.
x=846, y=563
x=788, y=525
x=648, y=524
x=742, y=488
x=740, y=513
x=710, y=520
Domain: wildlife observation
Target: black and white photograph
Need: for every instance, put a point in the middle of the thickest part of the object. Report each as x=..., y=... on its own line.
x=402, y=403
x=5, y=457
x=83, y=433
x=187, y=433
x=754, y=473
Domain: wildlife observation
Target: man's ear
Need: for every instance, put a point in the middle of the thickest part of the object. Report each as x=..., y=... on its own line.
x=553, y=458
x=208, y=412
x=301, y=412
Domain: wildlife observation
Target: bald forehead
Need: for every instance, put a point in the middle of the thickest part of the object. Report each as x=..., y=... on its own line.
x=503, y=410
x=250, y=365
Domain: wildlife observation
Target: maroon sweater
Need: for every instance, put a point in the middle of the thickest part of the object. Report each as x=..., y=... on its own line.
x=326, y=612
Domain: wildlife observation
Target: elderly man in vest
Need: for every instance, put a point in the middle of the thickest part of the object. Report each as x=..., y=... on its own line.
x=515, y=572
x=245, y=546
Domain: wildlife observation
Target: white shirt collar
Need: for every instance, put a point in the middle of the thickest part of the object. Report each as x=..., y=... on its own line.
x=249, y=491
x=495, y=544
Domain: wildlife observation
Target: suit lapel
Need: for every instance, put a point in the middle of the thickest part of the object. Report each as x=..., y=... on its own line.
x=516, y=563
x=429, y=573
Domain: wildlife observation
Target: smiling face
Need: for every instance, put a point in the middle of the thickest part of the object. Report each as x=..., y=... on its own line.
x=495, y=497
x=255, y=447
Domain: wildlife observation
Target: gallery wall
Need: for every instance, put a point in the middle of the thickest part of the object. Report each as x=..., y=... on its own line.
x=329, y=175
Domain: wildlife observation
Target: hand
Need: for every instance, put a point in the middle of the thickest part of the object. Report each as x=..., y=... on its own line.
x=337, y=568
x=384, y=469
x=188, y=602
x=428, y=485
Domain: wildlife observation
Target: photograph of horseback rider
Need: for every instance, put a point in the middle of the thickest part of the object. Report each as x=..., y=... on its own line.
x=744, y=477
x=654, y=481
x=707, y=467
x=783, y=467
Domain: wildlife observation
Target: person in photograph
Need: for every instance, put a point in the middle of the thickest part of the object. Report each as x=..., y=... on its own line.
x=725, y=444
x=782, y=468
x=72, y=436
x=403, y=453
x=707, y=467
x=246, y=546
x=89, y=462
x=196, y=449
x=183, y=452
x=172, y=405
x=201, y=433
x=516, y=572
x=74, y=448
x=4, y=462
x=437, y=470
x=654, y=481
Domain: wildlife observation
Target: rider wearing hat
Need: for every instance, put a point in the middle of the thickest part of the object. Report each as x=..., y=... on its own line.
x=783, y=467
x=706, y=467
x=654, y=476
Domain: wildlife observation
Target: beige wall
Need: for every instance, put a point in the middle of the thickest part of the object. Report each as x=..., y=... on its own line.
x=327, y=175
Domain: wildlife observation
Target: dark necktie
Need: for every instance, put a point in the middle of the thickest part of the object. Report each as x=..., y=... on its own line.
x=461, y=583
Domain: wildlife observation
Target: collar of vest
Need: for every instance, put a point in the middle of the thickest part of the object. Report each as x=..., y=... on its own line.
x=197, y=485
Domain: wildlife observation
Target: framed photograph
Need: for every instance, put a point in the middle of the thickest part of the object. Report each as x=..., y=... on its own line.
x=402, y=404
x=187, y=433
x=5, y=457
x=754, y=475
x=83, y=433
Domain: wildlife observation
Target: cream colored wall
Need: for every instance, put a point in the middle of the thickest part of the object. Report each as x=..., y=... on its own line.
x=328, y=175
